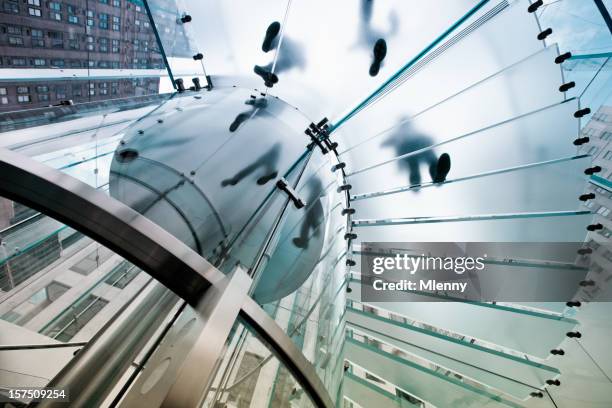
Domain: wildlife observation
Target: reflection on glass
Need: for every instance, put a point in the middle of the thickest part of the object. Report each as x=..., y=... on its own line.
x=250, y=375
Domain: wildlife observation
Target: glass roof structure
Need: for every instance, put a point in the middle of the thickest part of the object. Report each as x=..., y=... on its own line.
x=192, y=194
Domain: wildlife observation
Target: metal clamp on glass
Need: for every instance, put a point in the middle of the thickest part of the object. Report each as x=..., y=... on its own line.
x=535, y=5
x=315, y=141
x=319, y=134
x=283, y=185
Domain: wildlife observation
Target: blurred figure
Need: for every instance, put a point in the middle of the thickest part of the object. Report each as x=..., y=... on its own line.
x=406, y=140
x=256, y=104
x=290, y=55
x=314, y=213
x=370, y=37
x=268, y=161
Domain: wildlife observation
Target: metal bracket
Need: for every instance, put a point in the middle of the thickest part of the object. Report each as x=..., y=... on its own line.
x=283, y=185
x=319, y=135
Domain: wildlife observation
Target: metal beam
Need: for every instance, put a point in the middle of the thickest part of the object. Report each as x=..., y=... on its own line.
x=95, y=369
x=109, y=222
x=290, y=356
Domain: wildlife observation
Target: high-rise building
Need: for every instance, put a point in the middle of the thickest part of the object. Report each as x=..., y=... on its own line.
x=79, y=46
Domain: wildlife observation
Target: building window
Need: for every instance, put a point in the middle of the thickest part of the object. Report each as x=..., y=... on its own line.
x=13, y=30
x=72, y=19
x=73, y=44
x=42, y=89
x=103, y=44
x=59, y=63
x=37, y=33
x=23, y=98
x=90, y=15
x=56, y=39
x=115, y=46
x=104, y=1
x=55, y=6
x=55, y=16
x=11, y=8
x=18, y=62
x=15, y=41
x=34, y=3
x=122, y=275
x=4, y=100
x=76, y=90
x=39, y=62
x=43, y=98
x=103, y=21
x=23, y=89
x=60, y=92
x=116, y=3
x=3, y=91
x=71, y=322
x=34, y=12
x=116, y=23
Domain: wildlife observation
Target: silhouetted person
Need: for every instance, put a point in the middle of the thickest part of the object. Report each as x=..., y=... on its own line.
x=290, y=55
x=268, y=161
x=370, y=37
x=256, y=104
x=406, y=140
x=314, y=213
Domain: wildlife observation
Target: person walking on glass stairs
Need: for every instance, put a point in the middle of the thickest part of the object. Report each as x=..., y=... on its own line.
x=368, y=35
x=407, y=140
x=288, y=56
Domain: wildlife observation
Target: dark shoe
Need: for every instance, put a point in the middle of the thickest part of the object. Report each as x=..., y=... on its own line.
x=264, y=179
x=238, y=121
x=269, y=78
x=300, y=243
x=380, y=52
x=271, y=33
x=229, y=182
x=442, y=168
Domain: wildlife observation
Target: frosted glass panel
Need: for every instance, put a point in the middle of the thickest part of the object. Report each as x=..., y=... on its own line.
x=554, y=186
x=543, y=135
x=475, y=77
x=369, y=395
x=426, y=383
x=515, y=376
x=550, y=229
x=530, y=333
